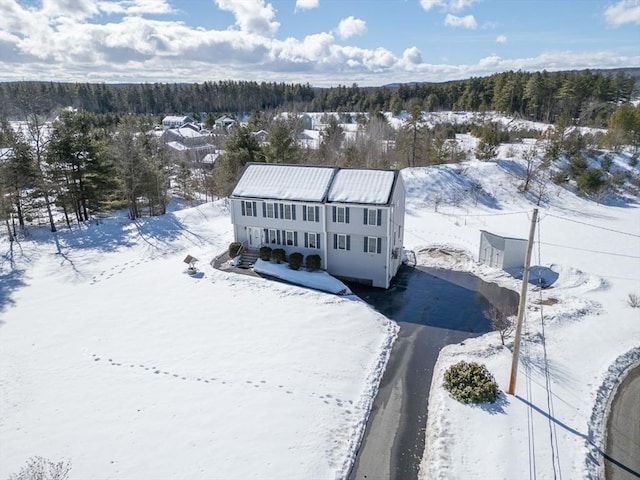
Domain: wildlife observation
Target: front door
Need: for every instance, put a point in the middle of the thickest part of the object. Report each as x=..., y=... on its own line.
x=255, y=237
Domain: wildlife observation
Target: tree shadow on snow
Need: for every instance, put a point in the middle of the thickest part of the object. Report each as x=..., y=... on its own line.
x=9, y=283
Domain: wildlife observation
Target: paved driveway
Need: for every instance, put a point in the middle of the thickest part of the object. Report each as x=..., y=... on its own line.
x=434, y=308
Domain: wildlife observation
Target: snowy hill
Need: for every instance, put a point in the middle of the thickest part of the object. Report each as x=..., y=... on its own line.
x=113, y=358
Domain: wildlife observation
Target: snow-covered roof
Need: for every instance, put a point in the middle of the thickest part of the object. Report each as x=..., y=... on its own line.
x=362, y=186
x=286, y=182
x=316, y=184
x=176, y=119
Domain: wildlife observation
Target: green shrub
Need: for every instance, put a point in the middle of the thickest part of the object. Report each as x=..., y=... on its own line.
x=235, y=248
x=313, y=262
x=295, y=260
x=265, y=253
x=470, y=382
x=590, y=181
x=278, y=255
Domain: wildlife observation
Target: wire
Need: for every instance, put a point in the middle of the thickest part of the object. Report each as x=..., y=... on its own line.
x=553, y=434
x=587, y=250
x=594, y=226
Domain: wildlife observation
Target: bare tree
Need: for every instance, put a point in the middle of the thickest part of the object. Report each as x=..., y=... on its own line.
x=501, y=320
x=40, y=468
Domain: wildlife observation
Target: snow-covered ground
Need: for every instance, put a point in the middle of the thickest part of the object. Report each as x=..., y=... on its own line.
x=591, y=252
x=112, y=357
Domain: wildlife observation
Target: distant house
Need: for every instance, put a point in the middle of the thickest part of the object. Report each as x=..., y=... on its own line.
x=352, y=218
x=500, y=251
x=225, y=122
x=171, y=121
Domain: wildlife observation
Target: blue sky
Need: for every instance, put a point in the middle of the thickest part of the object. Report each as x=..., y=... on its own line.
x=322, y=42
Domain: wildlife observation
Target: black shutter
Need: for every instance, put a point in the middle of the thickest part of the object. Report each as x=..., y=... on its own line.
x=243, y=210
x=293, y=212
x=266, y=235
x=379, y=245
x=365, y=219
x=335, y=241
x=255, y=209
x=275, y=210
x=304, y=213
x=348, y=242
x=366, y=239
x=278, y=237
x=306, y=240
x=379, y=218
x=295, y=239
x=281, y=210
x=334, y=214
x=317, y=214
x=264, y=209
x=346, y=215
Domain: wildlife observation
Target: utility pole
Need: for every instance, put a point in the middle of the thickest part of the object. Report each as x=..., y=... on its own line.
x=522, y=306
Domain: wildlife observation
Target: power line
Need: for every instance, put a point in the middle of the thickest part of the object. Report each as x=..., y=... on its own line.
x=587, y=250
x=593, y=226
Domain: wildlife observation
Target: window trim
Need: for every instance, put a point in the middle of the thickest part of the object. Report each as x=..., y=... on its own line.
x=378, y=245
x=336, y=241
x=307, y=240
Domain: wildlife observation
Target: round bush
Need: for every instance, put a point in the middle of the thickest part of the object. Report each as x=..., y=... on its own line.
x=295, y=260
x=278, y=255
x=470, y=382
x=265, y=253
x=313, y=262
x=235, y=248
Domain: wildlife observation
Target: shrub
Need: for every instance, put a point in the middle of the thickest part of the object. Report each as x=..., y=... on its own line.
x=41, y=468
x=590, y=180
x=265, y=253
x=295, y=260
x=470, y=382
x=235, y=248
x=313, y=262
x=633, y=300
x=278, y=255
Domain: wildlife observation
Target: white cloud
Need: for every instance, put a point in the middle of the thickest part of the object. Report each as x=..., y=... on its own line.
x=135, y=7
x=501, y=39
x=447, y=5
x=252, y=16
x=350, y=27
x=468, y=21
x=306, y=4
x=625, y=11
x=412, y=56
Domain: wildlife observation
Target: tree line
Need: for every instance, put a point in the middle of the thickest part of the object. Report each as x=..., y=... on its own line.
x=588, y=97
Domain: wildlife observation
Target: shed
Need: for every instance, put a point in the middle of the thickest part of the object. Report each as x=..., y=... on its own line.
x=501, y=251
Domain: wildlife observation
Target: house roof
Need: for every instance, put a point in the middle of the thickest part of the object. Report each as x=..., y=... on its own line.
x=362, y=186
x=175, y=118
x=285, y=182
x=316, y=184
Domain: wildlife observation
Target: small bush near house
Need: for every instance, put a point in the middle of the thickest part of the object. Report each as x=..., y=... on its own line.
x=295, y=260
x=265, y=253
x=470, y=382
x=313, y=262
x=634, y=300
x=234, y=249
x=278, y=255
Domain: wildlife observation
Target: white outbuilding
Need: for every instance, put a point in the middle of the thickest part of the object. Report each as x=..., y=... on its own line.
x=501, y=251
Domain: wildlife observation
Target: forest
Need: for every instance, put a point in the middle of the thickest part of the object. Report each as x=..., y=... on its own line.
x=587, y=97
x=70, y=152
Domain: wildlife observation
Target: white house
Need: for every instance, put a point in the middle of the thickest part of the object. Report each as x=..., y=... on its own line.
x=352, y=218
x=173, y=121
x=500, y=251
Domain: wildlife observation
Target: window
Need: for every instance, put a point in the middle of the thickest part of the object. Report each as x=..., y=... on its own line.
x=270, y=210
x=310, y=214
x=290, y=238
x=372, y=216
x=273, y=236
x=341, y=214
x=341, y=241
x=372, y=244
x=288, y=212
x=312, y=240
x=249, y=209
